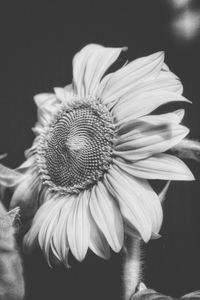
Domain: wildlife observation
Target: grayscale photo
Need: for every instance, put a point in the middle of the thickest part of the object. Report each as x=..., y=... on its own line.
x=100, y=150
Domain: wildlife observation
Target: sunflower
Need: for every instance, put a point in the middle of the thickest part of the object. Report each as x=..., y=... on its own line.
x=85, y=178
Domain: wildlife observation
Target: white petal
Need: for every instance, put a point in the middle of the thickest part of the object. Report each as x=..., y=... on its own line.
x=163, y=193
x=32, y=150
x=165, y=81
x=64, y=94
x=26, y=195
x=161, y=166
x=107, y=216
x=9, y=177
x=47, y=104
x=28, y=163
x=78, y=229
x=89, y=65
x=164, y=88
x=188, y=149
x=151, y=135
x=30, y=239
x=143, y=104
x=147, y=123
x=60, y=245
x=45, y=99
x=98, y=243
x=139, y=204
x=122, y=81
x=48, y=227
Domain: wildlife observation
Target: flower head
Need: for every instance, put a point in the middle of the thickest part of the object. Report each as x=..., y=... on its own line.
x=85, y=178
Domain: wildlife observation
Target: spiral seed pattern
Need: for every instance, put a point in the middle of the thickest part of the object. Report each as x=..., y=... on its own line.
x=76, y=150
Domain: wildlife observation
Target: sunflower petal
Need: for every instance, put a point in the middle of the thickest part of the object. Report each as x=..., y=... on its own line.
x=78, y=229
x=121, y=82
x=161, y=166
x=151, y=136
x=60, y=245
x=43, y=100
x=98, y=243
x=107, y=216
x=139, y=204
x=148, y=122
x=143, y=104
x=27, y=164
x=26, y=195
x=48, y=227
x=31, y=238
x=147, y=95
x=163, y=193
x=47, y=105
x=89, y=65
x=9, y=177
x=64, y=94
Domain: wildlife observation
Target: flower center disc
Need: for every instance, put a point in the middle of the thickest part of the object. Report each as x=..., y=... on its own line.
x=76, y=149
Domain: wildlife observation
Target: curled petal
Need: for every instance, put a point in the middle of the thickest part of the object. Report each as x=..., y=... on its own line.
x=27, y=164
x=26, y=195
x=43, y=100
x=47, y=105
x=9, y=177
x=64, y=94
x=31, y=238
x=89, y=65
x=121, y=82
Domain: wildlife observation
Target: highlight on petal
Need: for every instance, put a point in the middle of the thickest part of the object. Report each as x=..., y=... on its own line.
x=89, y=65
x=78, y=227
x=160, y=166
x=139, y=204
x=122, y=81
x=107, y=216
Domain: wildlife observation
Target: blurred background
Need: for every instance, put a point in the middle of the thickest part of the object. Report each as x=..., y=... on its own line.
x=37, y=43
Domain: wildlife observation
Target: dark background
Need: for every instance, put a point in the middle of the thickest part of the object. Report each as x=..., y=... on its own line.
x=37, y=43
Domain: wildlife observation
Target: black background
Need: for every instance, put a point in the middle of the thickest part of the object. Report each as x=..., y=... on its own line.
x=37, y=43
